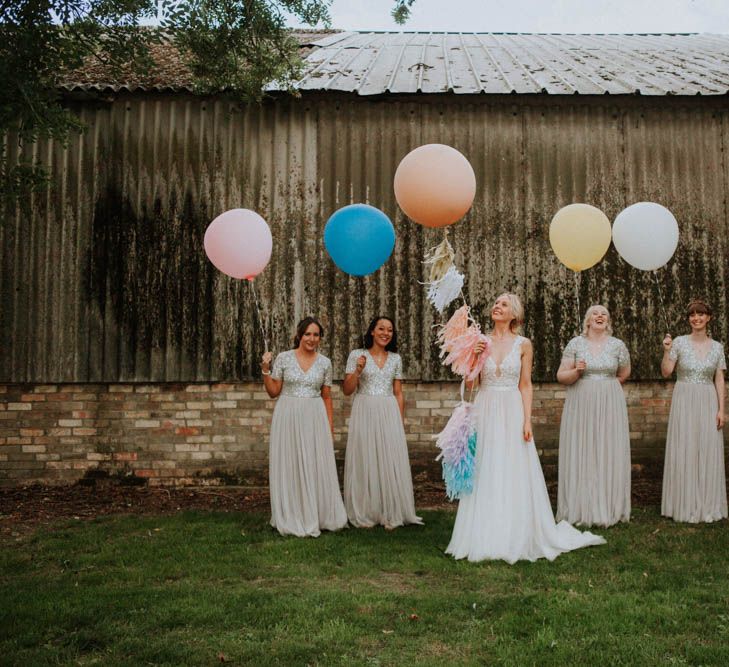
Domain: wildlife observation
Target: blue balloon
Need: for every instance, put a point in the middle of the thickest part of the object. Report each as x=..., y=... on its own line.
x=359, y=238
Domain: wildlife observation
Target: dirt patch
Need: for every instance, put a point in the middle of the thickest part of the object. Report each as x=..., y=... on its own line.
x=24, y=509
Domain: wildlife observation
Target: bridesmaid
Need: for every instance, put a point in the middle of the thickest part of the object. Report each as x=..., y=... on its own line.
x=694, y=485
x=378, y=487
x=594, y=437
x=305, y=495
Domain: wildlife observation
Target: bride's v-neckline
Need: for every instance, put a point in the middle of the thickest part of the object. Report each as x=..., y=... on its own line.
x=504, y=358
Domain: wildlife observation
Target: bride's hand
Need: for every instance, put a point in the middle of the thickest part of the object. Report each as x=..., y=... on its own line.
x=528, y=431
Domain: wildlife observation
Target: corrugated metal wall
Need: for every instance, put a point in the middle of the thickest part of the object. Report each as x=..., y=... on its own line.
x=104, y=277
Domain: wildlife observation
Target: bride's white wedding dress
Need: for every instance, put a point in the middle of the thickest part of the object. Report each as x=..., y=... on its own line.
x=508, y=515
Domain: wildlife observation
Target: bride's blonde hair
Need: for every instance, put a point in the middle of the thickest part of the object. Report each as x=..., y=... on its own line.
x=517, y=310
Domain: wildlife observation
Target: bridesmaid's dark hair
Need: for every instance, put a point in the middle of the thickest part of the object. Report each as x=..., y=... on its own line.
x=302, y=326
x=698, y=306
x=368, y=340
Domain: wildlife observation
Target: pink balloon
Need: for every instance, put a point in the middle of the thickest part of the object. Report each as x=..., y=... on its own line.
x=238, y=242
x=435, y=185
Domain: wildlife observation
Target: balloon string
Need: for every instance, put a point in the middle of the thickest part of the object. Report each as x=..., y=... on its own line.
x=660, y=299
x=360, y=302
x=260, y=317
x=577, y=299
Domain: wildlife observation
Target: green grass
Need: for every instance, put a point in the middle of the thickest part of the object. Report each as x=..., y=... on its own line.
x=181, y=590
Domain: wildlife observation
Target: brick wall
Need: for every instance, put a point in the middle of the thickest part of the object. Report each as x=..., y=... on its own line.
x=218, y=433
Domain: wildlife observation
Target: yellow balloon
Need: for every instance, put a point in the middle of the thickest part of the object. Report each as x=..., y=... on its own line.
x=580, y=236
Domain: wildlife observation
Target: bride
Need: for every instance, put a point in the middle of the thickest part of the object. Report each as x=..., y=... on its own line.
x=508, y=515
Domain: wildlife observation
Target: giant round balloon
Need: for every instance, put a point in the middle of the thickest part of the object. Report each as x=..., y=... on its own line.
x=435, y=185
x=238, y=243
x=359, y=238
x=646, y=235
x=579, y=235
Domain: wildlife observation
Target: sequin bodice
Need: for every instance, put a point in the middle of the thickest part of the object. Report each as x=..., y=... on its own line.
x=604, y=364
x=505, y=375
x=692, y=368
x=375, y=381
x=298, y=383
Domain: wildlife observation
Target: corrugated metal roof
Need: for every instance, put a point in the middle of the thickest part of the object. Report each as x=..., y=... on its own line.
x=372, y=63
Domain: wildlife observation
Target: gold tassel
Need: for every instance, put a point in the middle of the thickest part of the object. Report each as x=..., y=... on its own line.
x=439, y=259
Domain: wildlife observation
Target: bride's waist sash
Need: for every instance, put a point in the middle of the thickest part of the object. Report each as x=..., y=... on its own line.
x=499, y=387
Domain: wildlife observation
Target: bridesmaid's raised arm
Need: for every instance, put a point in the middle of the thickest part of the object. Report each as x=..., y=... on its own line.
x=273, y=386
x=569, y=372
x=667, y=364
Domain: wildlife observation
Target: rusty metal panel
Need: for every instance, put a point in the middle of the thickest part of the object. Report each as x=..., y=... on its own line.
x=104, y=277
x=499, y=63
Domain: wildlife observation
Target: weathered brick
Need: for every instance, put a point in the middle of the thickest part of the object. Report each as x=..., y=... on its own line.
x=70, y=422
x=147, y=389
x=31, y=432
x=146, y=423
x=124, y=456
x=84, y=431
x=34, y=449
x=238, y=395
x=30, y=398
x=198, y=405
x=19, y=406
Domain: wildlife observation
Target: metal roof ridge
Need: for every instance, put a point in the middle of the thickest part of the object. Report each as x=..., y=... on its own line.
x=511, y=33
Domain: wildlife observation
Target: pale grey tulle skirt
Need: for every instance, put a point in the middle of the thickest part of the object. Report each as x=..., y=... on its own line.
x=694, y=483
x=305, y=495
x=594, y=455
x=378, y=487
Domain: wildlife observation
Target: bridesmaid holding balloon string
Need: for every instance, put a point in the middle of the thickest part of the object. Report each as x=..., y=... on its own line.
x=694, y=482
x=304, y=488
x=378, y=487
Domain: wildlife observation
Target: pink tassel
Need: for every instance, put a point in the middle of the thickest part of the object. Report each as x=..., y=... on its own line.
x=455, y=327
x=461, y=356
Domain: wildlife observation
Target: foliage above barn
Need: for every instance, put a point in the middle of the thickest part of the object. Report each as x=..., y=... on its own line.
x=234, y=46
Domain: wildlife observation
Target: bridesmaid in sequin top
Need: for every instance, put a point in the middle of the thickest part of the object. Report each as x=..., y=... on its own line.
x=304, y=487
x=594, y=437
x=378, y=487
x=694, y=483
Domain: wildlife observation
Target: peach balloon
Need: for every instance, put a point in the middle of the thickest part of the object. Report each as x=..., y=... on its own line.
x=435, y=185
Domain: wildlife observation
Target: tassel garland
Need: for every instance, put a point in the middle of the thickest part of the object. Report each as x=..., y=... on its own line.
x=444, y=291
x=457, y=444
x=440, y=259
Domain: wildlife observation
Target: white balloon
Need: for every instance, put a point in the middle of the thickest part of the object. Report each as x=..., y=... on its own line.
x=646, y=235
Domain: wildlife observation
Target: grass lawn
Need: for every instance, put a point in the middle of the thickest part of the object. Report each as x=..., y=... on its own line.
x=199, y=588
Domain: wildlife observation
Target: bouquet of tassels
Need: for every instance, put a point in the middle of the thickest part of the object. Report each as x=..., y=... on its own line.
x=457, y=441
